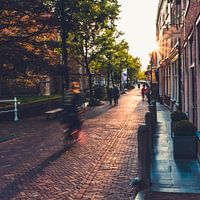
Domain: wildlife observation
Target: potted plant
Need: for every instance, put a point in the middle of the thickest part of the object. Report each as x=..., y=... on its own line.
x=175, y=117
x=184, y=140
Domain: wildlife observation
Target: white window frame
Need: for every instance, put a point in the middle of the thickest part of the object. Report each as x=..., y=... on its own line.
x=197, y=31
x=190, y=60
x=186, y=8
x=197, y=27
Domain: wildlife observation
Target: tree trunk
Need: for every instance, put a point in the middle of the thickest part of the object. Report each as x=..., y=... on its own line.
x=120, y=79
x=90, y=84
x=65, y=59
x=64, y=35
x=108, y=77
x=88, y=73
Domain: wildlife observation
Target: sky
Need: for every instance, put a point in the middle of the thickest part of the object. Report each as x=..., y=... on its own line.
x=138, y=22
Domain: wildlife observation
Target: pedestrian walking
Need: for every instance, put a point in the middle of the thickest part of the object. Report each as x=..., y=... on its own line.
x=110, y=94
x=116, y=95
x=148, y=94
x=143, y=91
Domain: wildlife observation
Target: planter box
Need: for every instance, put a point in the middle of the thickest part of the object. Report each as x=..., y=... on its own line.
x=198, y=145
x=185, y=147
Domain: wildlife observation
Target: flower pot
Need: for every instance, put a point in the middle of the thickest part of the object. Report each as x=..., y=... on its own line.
x=185, y=147
x=198, y=145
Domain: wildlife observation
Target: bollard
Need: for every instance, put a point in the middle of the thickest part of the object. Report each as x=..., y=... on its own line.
x=153, y=120
x=143, y=155
x=155, y=110
x=15, y=109
x=148, y=122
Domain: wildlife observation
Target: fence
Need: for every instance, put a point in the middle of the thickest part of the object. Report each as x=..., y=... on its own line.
x=15, y=110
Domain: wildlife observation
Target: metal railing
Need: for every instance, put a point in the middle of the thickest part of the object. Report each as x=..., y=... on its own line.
x=15, y=110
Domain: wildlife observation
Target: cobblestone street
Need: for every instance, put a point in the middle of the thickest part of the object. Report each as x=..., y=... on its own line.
x=35, y=166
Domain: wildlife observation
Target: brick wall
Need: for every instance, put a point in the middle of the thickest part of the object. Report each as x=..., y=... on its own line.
x=191, y=16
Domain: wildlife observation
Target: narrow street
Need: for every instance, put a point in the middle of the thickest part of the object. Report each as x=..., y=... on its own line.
x=34, y=166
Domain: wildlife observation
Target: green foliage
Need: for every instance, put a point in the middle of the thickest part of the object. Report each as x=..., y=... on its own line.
x=100, y=93
x=87, y=31
x=114, y=56
x=141, y=75
x=95, y=102
x=184, y=128
x=94, y=18
x=31, y=99
x=26, y=33
x=178, y=115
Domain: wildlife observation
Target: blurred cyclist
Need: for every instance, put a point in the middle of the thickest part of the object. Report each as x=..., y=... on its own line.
x=72, y=99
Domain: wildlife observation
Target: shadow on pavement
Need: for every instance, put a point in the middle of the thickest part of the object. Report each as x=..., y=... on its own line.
x=10, y=190
x=96, y=111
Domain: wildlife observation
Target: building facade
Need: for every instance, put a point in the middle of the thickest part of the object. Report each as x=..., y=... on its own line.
x=178, y=35
x=190, y=60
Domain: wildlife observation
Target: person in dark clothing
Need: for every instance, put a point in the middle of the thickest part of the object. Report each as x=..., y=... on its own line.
x=116, y=95
x=143, y=91
x=110, y=95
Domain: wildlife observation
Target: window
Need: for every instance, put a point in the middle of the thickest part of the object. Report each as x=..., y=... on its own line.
x=165, y=79
x=174, y=84
x=176, y=79
x=191, y=50
x=185, y=57
x=169, y=82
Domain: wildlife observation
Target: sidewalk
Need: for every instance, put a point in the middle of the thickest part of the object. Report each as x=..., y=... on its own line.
x=169, y=175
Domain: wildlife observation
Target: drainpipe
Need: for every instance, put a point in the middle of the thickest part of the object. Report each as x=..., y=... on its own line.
x=179, y=75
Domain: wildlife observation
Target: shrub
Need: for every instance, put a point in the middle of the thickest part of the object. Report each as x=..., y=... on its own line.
x=99, y=93
x=95, y=102
x=184, y=128
x=178, y=115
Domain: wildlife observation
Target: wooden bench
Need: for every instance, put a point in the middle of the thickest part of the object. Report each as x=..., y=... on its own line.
x=53, y=113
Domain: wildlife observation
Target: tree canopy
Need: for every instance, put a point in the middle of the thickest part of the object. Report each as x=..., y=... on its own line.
x=34, y=33
x=26, y=33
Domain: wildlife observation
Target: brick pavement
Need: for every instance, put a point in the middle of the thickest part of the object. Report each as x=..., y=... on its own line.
x=34, y=166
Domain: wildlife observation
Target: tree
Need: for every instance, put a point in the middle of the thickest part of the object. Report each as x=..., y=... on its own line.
x=108, y=51
x=25, y=38
x=134, y=66
x=65, y=14
x=141, y=75
x=94, y=18
x=120, y=57
x=114, y=58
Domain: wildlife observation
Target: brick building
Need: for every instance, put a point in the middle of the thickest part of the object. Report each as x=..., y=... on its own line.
x=178, y=35
x=190, y=61
x=168, y=34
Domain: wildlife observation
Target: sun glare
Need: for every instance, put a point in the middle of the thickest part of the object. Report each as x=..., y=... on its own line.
x=139, y=27
x=155, y=46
